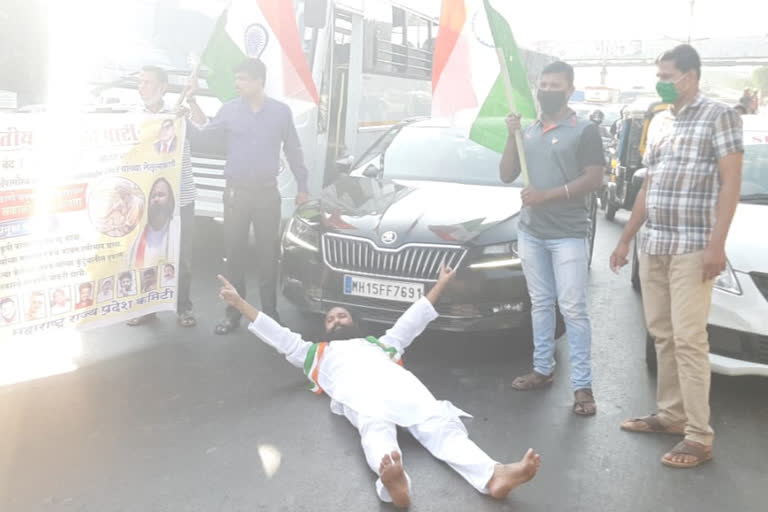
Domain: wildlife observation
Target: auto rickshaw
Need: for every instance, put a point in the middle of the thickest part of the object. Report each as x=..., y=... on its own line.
x=632, y=133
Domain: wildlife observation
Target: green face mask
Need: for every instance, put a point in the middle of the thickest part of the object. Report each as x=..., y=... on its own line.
x=667, y=91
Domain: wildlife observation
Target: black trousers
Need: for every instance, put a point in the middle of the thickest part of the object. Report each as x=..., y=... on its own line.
x=260, y=207
x=186, y=250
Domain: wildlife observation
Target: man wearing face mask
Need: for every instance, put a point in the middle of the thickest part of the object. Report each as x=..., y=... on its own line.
x=694, y=158
x=565, y=165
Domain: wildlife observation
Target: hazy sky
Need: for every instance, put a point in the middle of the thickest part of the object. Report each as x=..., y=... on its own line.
x=634, y=19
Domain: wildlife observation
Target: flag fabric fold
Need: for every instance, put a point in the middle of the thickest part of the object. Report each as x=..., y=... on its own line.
x=266, y=30
x=467, y=81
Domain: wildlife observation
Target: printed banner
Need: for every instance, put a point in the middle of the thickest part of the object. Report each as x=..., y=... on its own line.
x=89, y=227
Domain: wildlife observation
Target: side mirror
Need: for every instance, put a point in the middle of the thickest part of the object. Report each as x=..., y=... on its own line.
x=344, y=164
x=315, y=13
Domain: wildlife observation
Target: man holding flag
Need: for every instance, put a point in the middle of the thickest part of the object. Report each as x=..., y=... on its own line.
x=478, y=77
x=251, y=36
x=565, y=165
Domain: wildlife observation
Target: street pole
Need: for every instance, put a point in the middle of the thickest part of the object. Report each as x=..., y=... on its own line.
x=690, y=22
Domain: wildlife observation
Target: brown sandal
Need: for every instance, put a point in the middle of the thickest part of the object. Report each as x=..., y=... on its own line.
x=651, y=424
x=702, y=454
x=140, y=320
x=533, y=380
x=584, y=402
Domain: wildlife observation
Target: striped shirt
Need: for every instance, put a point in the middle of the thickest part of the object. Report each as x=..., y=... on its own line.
x=188, y=192
x=684, y=182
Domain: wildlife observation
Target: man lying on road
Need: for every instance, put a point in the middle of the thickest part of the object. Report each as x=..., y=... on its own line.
x=367, y=383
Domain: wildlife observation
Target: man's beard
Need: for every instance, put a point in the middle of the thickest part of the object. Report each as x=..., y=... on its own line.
x=347, y=332
x=158, y=216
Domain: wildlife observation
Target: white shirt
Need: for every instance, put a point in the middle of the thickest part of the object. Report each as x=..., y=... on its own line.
x=360, y=375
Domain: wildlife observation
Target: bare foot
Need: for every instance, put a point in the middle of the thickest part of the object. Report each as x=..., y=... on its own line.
x=508, y=476
x=393, y=478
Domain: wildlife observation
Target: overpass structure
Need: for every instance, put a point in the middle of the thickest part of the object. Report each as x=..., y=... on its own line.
x=745, y=51
x=646, y=61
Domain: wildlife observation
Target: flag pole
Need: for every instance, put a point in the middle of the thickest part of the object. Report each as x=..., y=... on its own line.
x=510, y=99
x=192, y=76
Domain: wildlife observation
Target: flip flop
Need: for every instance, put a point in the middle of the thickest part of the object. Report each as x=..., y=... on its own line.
x=651, y=424
x=226, y=326
x=533, y=380
x=700, y=452
x=584, y=403
x=187, y=319
x=140, y=320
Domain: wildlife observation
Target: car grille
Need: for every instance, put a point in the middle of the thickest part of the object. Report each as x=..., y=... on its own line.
x=761, y=281
x=419, y=262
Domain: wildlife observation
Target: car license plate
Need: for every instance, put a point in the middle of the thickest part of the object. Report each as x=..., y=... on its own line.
x=383, y=289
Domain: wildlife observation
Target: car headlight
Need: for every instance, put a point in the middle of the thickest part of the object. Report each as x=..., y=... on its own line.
x=498, y=256
x=302, y=234
x=727, y=281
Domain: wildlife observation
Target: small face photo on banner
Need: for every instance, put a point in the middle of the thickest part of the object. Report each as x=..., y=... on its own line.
x=166, y=138
x=84, y=295
x=168, y=277
x=9, y=310
x=148, y=279
x=61, y=301
x=106, y=289
x=126, y=284
x=35, y=306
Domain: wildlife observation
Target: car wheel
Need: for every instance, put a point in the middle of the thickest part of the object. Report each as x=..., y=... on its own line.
x=592, y=228
x=650, y=354
x=635, y=270
x=610, y=211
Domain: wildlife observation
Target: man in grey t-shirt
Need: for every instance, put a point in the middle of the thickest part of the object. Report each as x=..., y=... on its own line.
x=565, y=161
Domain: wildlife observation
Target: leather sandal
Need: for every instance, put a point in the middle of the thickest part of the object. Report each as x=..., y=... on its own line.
x=533, y=380
x=651, y=424
x=701, y=453
x=187, y=319
x=140, y=320
x=584, y=402
x=226, y=326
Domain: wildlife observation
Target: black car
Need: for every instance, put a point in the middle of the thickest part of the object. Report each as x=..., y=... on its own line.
x=423, y=194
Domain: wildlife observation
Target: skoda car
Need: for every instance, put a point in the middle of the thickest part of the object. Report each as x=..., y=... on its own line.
x=738, y=320
x=423, y=194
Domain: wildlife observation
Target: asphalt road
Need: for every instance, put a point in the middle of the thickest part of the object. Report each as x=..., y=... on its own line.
x=157, y=418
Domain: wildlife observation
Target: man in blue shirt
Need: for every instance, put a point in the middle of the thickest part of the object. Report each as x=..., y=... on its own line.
x=256, y=128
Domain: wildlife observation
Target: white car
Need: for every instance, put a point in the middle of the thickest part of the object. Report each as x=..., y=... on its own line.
x=738, y=320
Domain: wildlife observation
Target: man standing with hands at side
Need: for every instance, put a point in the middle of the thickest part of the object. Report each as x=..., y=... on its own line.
x=565, y=161
x=257, y=127
x=694, y=158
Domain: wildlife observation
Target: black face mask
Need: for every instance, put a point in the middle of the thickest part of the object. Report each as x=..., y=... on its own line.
x=551, y=101
x=347, y=332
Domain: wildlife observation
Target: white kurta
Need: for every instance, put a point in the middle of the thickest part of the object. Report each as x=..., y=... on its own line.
x=361, y=376
x=376, y=394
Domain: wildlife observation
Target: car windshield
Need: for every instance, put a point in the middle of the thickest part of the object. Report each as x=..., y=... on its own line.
x=754, y=182
x=441, y=154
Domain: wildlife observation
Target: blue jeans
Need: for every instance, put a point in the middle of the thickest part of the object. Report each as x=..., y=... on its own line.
x=558, y=269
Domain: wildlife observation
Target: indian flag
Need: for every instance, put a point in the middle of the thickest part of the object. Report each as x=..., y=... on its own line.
x=266, y=30
x=468, y=82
